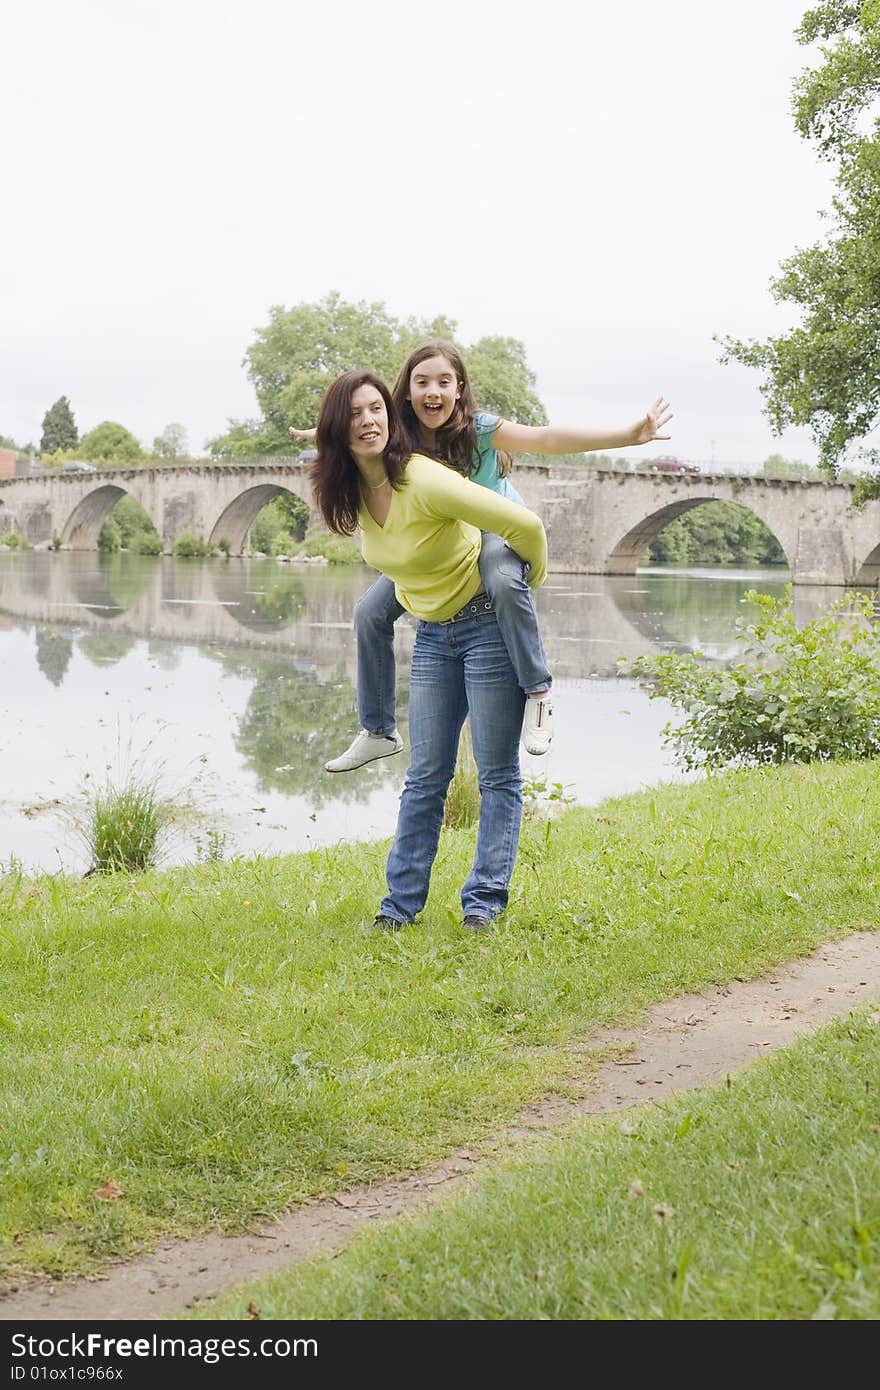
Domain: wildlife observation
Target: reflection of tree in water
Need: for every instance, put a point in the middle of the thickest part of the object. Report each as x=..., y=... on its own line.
x=678, y=609
x=166, y=655
x=105, y=648
x=264, y=596
x=278, y=603
x=127, y=576
x=54, y=651
x=293, y=723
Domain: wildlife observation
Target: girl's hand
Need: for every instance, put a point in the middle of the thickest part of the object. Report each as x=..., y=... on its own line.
x=303, y=436
x=649, y=428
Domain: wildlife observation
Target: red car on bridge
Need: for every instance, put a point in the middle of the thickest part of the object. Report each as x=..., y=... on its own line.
x=667, y=464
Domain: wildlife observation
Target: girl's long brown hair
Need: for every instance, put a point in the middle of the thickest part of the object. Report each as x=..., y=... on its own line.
x=457, y=439
x=335, y=480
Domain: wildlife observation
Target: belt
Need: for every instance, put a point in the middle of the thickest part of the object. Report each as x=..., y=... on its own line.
x=480, y=603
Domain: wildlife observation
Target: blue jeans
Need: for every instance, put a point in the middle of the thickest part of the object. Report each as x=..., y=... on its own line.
x=503, y=575
x=459, y=668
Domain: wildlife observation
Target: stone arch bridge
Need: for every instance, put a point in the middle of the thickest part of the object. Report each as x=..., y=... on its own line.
x=599, y=521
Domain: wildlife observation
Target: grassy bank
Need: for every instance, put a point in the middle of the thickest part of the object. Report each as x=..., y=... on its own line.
x=757, y=1200
x=222, y=1041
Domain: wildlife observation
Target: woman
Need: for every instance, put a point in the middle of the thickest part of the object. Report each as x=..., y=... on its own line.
x=433, y=395
x=421, y=525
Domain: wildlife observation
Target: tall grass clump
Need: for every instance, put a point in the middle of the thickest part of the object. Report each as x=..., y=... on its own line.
x=463, y=797
x=124, y=826
x=809, y=694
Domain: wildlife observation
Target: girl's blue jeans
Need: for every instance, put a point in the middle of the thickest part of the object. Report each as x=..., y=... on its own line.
x=458, y=668
x=504, y=578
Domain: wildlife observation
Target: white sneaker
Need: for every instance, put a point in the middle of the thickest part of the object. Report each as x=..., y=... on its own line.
x=366, y=748
x=537, y=729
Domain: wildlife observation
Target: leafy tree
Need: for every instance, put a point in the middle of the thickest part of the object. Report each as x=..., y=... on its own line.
x=502, y=380
x=135, y=529
x=246, y=439
x=295, y=513
x=788, y=470
x=108, y=442
x=171, y=443
x=824, y=373
x=716, y=533
x=282, y=520
x=301, y=350
x=59, y=428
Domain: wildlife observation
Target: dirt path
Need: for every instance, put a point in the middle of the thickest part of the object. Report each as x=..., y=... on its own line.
x=683, y=1043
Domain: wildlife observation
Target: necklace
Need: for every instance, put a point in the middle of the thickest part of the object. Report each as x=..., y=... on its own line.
x=374, y=487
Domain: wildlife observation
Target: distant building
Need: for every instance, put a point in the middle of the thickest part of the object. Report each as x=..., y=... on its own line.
x=8, y=459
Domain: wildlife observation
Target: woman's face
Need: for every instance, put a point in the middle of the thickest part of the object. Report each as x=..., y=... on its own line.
x=368, y=434
x=433, y=391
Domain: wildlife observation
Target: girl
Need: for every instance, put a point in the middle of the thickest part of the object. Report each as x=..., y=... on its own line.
x=418, y=521
x=434, y=398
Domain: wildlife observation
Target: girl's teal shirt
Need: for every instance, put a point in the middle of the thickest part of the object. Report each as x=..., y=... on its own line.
x=485, y=470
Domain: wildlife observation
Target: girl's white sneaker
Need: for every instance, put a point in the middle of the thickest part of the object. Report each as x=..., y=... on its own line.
x=366, y=748
x=537, y=729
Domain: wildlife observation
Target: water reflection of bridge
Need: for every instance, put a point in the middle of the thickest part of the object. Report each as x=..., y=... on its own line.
x=588, y=622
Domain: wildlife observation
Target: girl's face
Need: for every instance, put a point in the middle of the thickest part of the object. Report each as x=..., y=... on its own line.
x=433, y=391
x=368, y=434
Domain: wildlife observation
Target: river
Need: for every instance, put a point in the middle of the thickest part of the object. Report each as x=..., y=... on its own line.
x=232, y=681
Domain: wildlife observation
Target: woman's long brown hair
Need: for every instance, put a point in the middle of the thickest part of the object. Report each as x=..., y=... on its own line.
x=335, y=480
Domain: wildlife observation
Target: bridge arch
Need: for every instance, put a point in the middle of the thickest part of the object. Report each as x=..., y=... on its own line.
x=867, y=574
x=83, y=526
x=631, y=549
x=237, y=517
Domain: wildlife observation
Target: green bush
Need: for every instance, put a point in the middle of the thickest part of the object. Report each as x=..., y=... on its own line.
x=799, y=695
x=12, y=540
x=189, y=547
x=146, y=544
x=336, y=550
x=110, y=539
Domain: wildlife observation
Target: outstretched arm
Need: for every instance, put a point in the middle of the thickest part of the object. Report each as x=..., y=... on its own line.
x=304, y=436
x=555, y=439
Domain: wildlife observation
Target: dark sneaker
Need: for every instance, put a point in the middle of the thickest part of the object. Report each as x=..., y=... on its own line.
x=477, y=924
x=387, y=924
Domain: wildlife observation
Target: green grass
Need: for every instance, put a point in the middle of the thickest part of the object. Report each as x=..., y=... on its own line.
x=226, y=1040
x=760, y=1200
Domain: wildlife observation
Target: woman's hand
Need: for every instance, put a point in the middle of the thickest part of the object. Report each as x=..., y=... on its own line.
x=302, y=436
x=655, y=418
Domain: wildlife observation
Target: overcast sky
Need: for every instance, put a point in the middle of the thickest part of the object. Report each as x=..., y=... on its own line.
x=612, y=184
